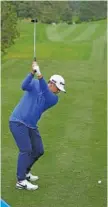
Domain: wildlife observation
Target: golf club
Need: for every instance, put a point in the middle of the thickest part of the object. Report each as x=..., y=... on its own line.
x=34, y=21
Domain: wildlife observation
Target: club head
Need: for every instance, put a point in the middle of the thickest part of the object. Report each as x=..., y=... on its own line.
x=34, y=20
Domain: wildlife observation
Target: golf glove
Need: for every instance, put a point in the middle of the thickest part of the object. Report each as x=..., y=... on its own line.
x=36, y=69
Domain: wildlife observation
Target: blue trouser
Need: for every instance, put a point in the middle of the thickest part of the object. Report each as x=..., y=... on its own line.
x=30, y=147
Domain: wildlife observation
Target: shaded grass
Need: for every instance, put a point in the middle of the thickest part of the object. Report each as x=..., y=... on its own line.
x=68, y=51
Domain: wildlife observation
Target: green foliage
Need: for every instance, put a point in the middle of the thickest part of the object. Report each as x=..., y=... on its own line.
x=57, y=11
x=67, y=15
x=45, y=11
x=92, y=10
x=8, y=25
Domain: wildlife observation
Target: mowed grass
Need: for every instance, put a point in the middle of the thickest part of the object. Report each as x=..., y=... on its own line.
x=73, y=132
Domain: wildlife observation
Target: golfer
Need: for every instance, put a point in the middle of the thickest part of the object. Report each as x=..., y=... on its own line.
x=38, y=97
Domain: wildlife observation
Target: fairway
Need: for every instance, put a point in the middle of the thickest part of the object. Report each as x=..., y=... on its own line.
x=73, y=132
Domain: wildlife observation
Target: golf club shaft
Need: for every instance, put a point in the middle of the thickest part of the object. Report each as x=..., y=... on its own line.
x=34, y=41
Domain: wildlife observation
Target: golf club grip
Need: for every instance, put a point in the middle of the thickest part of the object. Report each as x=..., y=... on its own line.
x=34, y=58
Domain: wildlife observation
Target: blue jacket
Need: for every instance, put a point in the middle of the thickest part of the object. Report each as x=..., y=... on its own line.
x=36, y=99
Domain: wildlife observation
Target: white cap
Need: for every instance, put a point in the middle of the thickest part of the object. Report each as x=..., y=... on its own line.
x=59, y=81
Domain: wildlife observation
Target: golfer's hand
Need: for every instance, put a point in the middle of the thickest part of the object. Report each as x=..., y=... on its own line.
x=35, y=69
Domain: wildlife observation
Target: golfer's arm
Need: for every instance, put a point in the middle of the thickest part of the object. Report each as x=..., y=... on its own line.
x=27, y=82
x=43, y=84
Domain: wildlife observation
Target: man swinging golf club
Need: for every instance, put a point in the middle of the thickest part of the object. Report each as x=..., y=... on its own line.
x=38, y=97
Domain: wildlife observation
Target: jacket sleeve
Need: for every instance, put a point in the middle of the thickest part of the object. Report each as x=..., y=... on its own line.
x=28, y=83
x=43, y=85
x=50, y=100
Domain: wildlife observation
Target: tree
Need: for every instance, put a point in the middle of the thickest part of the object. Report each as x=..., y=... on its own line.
x=67, y=15
x=92, y=10
x=45, y=11
x=8, y=25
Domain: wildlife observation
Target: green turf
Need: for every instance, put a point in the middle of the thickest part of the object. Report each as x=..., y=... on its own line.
x=73, y=132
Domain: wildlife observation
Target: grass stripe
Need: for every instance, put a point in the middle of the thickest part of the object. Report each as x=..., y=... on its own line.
x=87, y=33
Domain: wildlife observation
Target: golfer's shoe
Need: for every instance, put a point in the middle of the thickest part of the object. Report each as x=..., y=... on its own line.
x=24, y=184
x=31, y=177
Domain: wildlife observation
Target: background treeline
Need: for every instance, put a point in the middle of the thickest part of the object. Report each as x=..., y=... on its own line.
x=47, y=12
x=59, y=11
